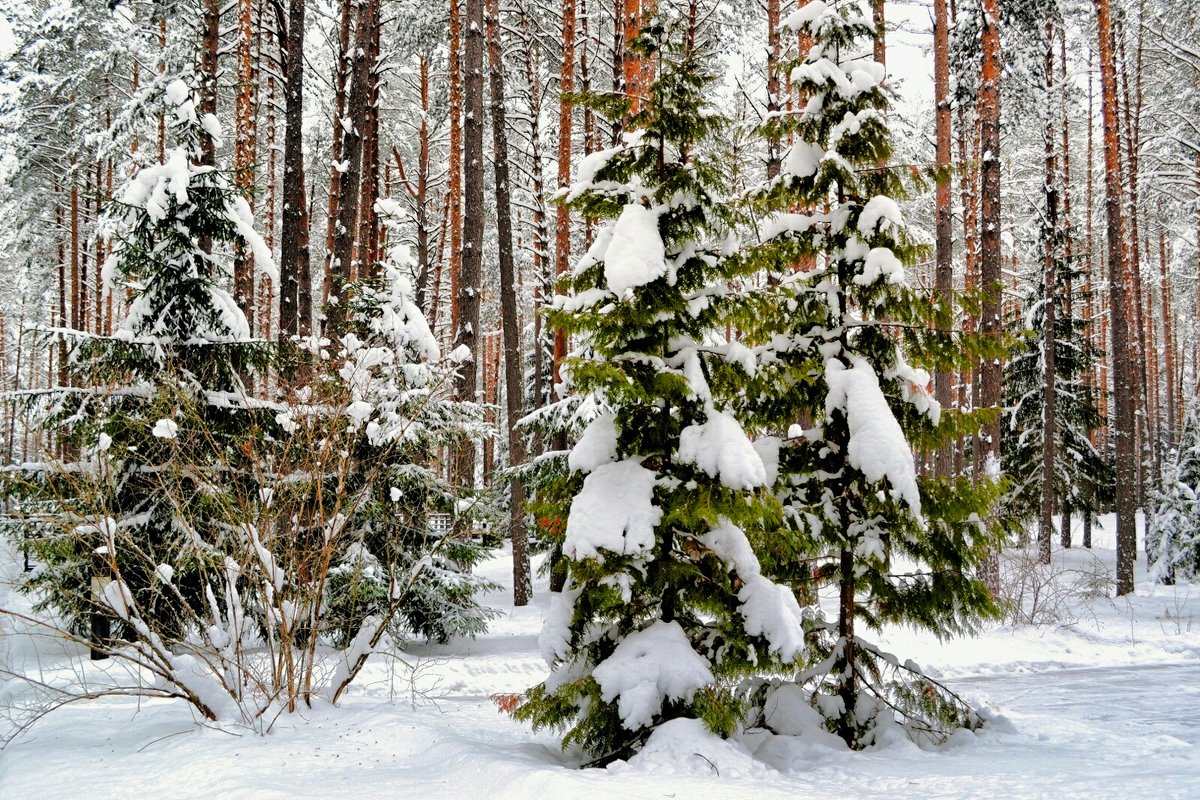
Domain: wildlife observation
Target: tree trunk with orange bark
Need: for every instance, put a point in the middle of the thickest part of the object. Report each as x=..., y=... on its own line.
x=942, y=213
x=987, y=445
x=1123, y=421
x=639, y=70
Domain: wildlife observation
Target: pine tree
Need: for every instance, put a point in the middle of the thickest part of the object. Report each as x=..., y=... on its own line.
x=832, y=341
x=665, y=605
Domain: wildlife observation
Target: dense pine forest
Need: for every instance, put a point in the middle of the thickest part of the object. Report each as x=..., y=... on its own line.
x=741, y=335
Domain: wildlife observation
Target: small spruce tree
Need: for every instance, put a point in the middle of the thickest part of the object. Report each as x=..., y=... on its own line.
x=1082, y=473
x=399, y=410
x=665, y=606
x=166, y=390
x=832, y=337
x=1173, y=538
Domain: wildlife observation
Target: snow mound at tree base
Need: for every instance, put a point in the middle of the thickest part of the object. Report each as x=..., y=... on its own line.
x=687, y=747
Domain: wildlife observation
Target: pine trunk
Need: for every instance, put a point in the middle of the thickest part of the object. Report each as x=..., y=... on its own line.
x=455, y=167
x=1123, y=422
x=562, y=234
x=210, y=46
x=367, y=241
x=76, y=290
x=990, y=264
x=522, y=583
x=639, y=70
x=244, y=145
x=1164, y=288
x=470, y=287
x=879, y=21
x=346, y=234
x=1049, y=378
x=295, y=270
x=541, y=236
x=942, y=213
x=341, y=77
x=774, y=51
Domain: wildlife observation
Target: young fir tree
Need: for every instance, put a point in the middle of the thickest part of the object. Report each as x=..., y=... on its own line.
x=665, y=606
x=154, y=429
x=1173, y=540
x=1082, y=474
x=831, y=339
x=399, y=411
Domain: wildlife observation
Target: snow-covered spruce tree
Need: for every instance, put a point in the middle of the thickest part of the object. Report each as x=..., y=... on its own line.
x=396, y=392
x=831, y=340
x=155, y=411
x=665, y=607
x=1082, y=473
x=1173, y=540
x=235, y=539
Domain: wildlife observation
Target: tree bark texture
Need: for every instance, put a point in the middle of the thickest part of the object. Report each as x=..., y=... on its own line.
x=522, y=584
x=942, y=213
x=562, y=235
x=990, y=264
x=341, y=77
x=295, y=270
x=1123, y=422
x=349, y=192
x=1050, y=277
x=469, y=287
x=244, y=145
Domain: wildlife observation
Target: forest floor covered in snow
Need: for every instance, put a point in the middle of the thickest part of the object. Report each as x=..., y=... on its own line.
x=1101, y=697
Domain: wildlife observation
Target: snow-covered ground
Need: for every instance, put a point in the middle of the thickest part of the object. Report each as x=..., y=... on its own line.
x=1103, y=702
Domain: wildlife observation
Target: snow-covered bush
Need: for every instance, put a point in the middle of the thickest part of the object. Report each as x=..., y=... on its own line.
x=167, y=388
x=1173, y=538
x=245, y=554
x=395, y=393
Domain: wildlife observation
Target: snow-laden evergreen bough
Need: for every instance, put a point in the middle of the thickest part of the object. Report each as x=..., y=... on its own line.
x=833, y=341
x=665, y=607
x=136, y=515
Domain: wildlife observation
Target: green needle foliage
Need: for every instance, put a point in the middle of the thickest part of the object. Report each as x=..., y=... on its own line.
x=664, y=609
x=838, y=336
x=165, y=393
x=1082, y=474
